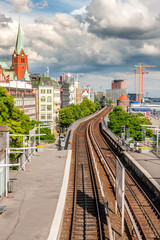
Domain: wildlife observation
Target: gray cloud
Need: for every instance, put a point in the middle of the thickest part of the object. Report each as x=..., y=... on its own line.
x=110, y=38
x=128, y=19
x=4, y=19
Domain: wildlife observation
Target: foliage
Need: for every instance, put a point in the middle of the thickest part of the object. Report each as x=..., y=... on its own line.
x=107, y=101
x=15, y=118
x=49, y=137
x=68, y=115
x=118, y=118
x=96, y=99
x=98, y=105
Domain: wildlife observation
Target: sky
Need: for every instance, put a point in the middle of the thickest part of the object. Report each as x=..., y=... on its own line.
x=98, y=40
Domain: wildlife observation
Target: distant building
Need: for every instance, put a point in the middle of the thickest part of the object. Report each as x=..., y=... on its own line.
x=118, y=84
x=8, y=73
x=117, y=90
x=64, y=86
x=78, y=92
x=115, y=94
x=85, y=94
x=24, y=97
x=48, y=98
x=70, y=90
x=133, y=97
x=124, y=102
x=88, y=93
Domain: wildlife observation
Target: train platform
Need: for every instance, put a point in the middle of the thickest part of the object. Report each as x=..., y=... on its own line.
x=155, y=120
x=150, y=162
x=32, y=204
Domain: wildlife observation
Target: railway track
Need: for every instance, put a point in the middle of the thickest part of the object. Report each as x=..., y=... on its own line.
x=85, y=222
x=86, y=215
x=146, y=216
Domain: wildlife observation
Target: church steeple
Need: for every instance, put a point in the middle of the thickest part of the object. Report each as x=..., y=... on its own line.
x=19, y=58
x=19, y=43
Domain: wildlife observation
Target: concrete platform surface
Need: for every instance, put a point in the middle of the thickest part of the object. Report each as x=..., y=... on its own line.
x=150, y=162
x=32, y=204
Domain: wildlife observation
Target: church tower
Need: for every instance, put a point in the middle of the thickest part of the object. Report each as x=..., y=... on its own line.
x=19, y=58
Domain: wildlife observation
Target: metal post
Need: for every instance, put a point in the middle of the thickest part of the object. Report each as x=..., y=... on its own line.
x=23, y=156
x=157, y=140
x=7, y=161
x=34, y=137
x=123, y=191
x=30, y=150
x=6, y=170
x=39, y=134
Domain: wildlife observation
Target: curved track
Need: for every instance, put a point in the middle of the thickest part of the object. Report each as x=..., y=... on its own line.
x=146, y=216
x=85, y=214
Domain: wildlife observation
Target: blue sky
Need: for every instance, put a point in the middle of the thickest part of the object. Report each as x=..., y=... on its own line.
x=97, y=39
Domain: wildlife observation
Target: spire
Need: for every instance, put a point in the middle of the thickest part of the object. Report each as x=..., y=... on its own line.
x=26, y=76
x=19, y=42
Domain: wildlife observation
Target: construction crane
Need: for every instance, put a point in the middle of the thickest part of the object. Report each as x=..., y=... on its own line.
x=135, y=72
x=140, y=67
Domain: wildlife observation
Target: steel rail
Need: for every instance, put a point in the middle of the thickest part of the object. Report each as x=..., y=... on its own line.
x=101, y=188
x=113, y=177
x=94, y=186
x=150, y=222
x=75, y=189
x=95, y=192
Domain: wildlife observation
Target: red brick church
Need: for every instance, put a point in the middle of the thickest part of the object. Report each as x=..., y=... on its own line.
x=20, y=59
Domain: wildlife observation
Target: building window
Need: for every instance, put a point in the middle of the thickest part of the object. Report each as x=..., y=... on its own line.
x=49, y=107
x=43, y=116
x=43, y=99
x=49, y=116
x=22, y=60
x=49, y=91
x=43, y=107
x=42, y=90
x=49, y=99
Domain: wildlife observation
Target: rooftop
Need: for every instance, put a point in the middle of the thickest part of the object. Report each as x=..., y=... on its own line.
x=123, y=98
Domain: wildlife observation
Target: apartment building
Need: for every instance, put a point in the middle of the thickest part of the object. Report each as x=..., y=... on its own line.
x=24, y=97
x=47, y=98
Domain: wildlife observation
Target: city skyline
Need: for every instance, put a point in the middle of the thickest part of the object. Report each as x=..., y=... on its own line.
x=98, y=40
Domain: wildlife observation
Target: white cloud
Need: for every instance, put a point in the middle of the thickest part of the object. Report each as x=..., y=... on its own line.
x=79, y=11
x=27, y=5
x=22, y=5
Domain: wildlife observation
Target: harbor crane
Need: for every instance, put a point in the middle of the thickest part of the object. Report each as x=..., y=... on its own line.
x=135, y=72
x=140, y=67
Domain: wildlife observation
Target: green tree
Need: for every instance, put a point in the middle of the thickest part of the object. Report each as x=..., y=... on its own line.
x=96, y=99
x=49, y=137
x=15, y=118
x=68, y=115
x=118, y=118
x=107, y=101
